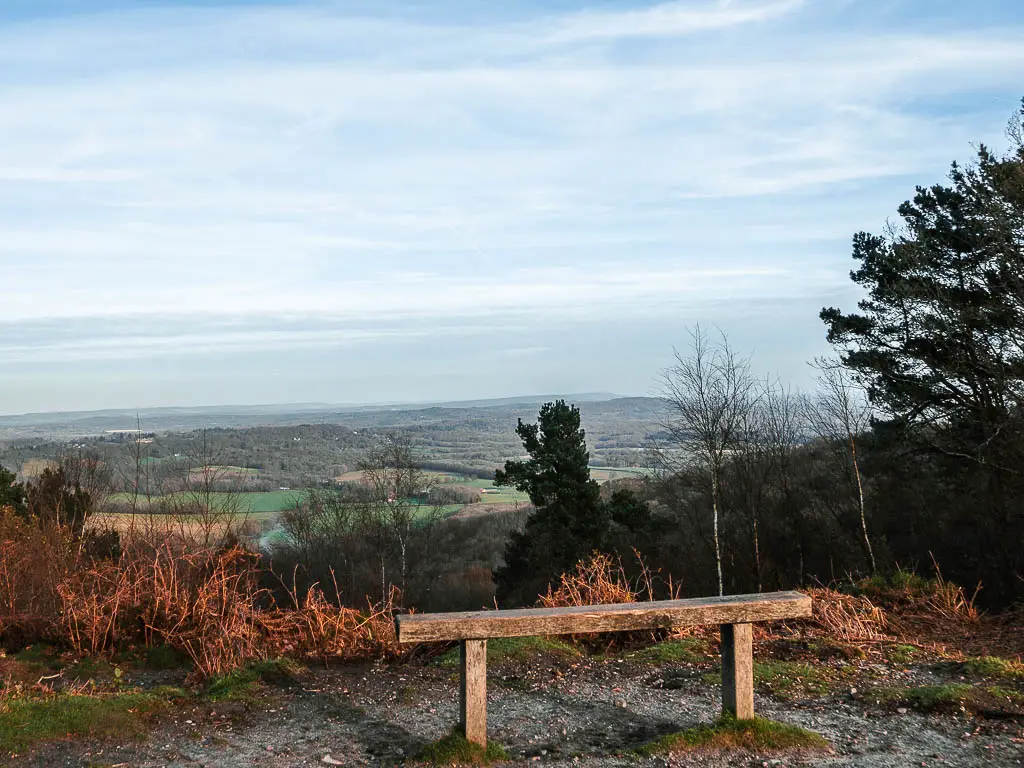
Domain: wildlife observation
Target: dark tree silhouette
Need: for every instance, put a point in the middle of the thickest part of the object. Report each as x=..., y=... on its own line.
x=569, y=522
x=939, y=344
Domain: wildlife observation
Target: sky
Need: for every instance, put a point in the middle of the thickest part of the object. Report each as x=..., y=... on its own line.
x=265, y=202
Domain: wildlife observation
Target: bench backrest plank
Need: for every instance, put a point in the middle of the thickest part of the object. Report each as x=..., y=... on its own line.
x=663, y=614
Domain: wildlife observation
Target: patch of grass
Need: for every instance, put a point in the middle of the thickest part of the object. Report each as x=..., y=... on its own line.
x=903, y=654
x=247, y=683
x=171, y=692
x=91, y=668
x=827, y=649
x=954, y=697
x=728, y=733
x=687, y=650
x=787, y=680
x=24, y=721
x=901, y=581
x=40, y=655
x=164, y=657
x=514, y=649
x=812, y=649
x=993, y=666
x=455, y=749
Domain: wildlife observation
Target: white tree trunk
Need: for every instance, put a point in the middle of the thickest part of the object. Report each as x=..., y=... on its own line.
x=718, y=548
x=860, y=500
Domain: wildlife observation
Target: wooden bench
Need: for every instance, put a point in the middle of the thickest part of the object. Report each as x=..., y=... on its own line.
x=734, y=614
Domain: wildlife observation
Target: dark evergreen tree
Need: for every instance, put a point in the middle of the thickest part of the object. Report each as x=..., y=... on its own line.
x=54, y=497
x=939, y=343
x=569, y=522
x=12, y=494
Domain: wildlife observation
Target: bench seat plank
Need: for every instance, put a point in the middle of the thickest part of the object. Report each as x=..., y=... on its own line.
x=663, y=614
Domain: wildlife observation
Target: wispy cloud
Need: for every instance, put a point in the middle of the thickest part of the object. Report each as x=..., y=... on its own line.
x=429, y=167
x=671, y=19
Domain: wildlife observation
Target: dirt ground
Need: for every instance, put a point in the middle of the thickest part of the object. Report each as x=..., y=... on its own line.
x=591, y=710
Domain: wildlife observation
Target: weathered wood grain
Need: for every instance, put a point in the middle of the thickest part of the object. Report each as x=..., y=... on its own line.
x=663, y=614
x=738, y=670
x=473, y=691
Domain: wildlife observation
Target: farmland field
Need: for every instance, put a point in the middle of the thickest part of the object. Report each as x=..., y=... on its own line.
x=254, y=502
x=266, y=504
x=604, y=474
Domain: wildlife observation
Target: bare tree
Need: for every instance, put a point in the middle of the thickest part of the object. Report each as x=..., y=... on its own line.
x=760, y=464
x=207, y=506
x=785, y=429
x=708, y=392
x=839, y=414
x=399, y=511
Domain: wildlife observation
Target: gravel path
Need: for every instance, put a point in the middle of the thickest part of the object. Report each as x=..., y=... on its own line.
x=585, y=712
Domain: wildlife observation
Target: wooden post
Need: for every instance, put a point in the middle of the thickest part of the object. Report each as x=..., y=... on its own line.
x=738, y=670
x=474, y=690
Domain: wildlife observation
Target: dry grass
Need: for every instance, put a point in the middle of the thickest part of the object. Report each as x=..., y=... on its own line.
x=206, y=603
x=848, y=618
x=34, y=560
x=209, y=605
x=930, y=613
x=601, y=580
x=320, y=628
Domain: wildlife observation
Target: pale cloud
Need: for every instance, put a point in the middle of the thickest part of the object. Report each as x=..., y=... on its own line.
x=665, y=20
x=378, y=174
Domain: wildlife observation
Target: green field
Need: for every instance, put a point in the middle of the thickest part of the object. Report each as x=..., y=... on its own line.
x=507, y=495
x=252, y=502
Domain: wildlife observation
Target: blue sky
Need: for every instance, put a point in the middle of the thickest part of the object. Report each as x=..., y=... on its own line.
x=280, y=202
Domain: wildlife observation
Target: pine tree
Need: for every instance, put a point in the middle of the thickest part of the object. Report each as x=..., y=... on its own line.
x=939, y=344
x=12, y=494
x=569, y=521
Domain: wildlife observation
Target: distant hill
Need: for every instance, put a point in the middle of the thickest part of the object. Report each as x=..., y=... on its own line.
x=74, y=424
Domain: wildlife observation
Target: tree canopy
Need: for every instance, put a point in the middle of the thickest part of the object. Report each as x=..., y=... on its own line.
x=939, y=339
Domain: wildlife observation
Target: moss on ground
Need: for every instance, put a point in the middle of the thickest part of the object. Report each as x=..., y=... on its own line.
x=171, y=692
x=687, y=650
x=901, y=653
x=247, y=683
x=24, y=721
x=728, y=733
x=455, y=749
x=992, y=667
x=515, y=649
x=788, y=680
x=954, y=697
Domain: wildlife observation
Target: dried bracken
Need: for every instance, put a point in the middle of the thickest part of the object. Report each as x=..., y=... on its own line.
x=848, y=618
x=205, y=602
x=601, y=580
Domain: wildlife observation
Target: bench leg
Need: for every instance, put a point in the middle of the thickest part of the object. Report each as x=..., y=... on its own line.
x=474, y=691
x=738, y=670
